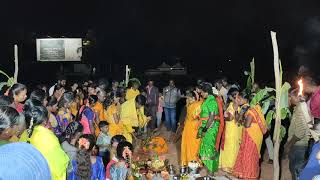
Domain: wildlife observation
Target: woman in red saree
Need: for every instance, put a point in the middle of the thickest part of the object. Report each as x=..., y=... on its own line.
x=247, y=163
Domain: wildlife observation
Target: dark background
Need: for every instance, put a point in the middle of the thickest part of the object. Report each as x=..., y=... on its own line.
x=204, y=35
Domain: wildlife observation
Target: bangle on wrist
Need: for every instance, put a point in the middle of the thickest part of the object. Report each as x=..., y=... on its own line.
x=204, y=129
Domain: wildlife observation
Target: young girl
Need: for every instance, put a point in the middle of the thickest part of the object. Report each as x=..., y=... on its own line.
x=86, y=115
x=160, y=111
x=64, y=113
x=121, y=169
x=86, y=166
x=44, y=139
x=71, y=136
x=115, y=140
x=19, y=94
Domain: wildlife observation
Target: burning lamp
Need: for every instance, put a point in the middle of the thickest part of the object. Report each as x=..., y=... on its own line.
x=300, y=83
x=300, y=93
x=305, y=111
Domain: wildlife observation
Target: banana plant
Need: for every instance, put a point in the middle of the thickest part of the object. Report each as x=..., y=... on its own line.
x=135, y=80
x=9, y=82
x=284, y=108
x=250, y=79
x=264, y=98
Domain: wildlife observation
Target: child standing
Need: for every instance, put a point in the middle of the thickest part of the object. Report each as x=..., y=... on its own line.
x=87, y=166
x=104, y=142
x=121, y=169
x=115, y=140
x=160, y=111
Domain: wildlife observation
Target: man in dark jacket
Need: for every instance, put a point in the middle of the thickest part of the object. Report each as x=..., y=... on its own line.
x=152, y=103
x=171, y=97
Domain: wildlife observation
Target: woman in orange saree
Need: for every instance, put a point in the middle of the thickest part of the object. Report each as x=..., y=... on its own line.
x=190, y=143
x=247, y=163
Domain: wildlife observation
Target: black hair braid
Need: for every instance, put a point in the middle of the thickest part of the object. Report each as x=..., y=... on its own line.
x=31, y=126
x=83, y=158
x=83, y=165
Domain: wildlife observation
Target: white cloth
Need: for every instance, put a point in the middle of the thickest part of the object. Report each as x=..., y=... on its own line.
x=51, y=90
x=223, y=92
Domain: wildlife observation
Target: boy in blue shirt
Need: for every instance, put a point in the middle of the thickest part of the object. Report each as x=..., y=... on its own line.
x=104, y=142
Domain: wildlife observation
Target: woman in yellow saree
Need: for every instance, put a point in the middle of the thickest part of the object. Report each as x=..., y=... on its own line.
x=133, y=91
x=247, y=163
x=132, y=116
x=190, y=143
x=45, y=140
x=113, y=116
x=232, y=134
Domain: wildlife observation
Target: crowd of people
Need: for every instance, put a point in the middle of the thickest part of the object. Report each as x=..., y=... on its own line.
x=86, y=130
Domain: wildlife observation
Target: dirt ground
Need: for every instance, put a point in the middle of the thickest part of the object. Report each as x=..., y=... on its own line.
x=266, y=169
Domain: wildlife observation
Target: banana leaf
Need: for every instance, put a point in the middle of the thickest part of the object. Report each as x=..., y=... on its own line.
x=284, y=99
x=260, y=96
x=265, y=107
x=252, y=67
x=249, y=85
x=1, y=72
x=269, y=117
x=285, y=113
x=135, y=80
x=10, y=82
x=283, y=132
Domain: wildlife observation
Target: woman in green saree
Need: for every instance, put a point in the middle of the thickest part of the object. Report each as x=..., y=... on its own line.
x=209, y=129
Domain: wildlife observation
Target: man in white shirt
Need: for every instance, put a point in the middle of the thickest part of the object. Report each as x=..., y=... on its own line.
x=61, y=81
x=223, y=92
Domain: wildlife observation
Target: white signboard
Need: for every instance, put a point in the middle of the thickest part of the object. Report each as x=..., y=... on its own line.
x=59, y=49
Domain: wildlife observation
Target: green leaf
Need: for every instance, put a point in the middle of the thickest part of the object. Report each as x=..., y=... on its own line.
x=285, y=113
x=1, y=72
x=284, y=95
x=249, y=85
x=135, y=80
x=288, y=112
x=283, y=132
x=265, y=107
x=270, y=98
x=260, y=96
x=10, y=82
x=269, y=117
x=2, y=84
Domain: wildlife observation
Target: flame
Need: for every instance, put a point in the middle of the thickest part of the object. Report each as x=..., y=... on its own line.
x=300, y=83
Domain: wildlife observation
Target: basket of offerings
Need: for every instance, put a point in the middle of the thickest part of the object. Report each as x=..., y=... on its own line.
x=157, y=166
x=156, y=145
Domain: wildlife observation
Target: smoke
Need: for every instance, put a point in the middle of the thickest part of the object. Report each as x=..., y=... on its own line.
x=307, y=51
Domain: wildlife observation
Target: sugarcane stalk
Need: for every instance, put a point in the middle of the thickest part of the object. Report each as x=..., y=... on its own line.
x=276, y=164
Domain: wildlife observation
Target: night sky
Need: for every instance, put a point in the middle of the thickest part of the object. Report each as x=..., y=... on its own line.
x=204, y=34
